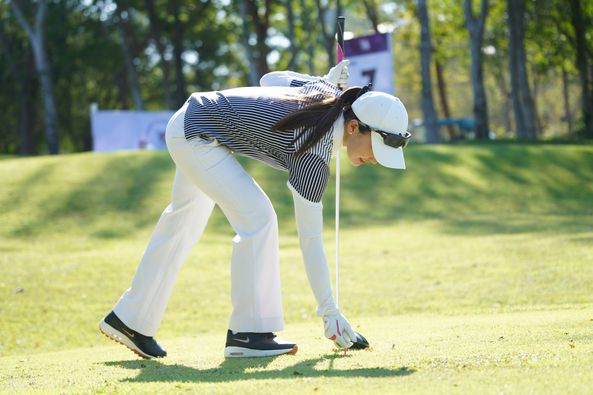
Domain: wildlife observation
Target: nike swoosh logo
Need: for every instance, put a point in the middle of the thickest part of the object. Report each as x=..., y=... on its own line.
x=242, y=340
x=127, y=333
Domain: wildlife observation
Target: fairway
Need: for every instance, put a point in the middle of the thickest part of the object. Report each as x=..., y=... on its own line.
x=470, y=272
x=530, y=352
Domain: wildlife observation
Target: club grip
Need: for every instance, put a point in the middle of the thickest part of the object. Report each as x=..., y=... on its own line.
x=340, y=35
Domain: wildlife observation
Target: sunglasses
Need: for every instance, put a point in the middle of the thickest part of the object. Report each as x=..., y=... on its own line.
x=391, y=139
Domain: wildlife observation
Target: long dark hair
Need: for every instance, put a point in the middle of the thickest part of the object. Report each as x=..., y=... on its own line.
x=317, y=119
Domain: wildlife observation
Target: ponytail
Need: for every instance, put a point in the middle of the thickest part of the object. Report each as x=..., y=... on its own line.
x=316, y=119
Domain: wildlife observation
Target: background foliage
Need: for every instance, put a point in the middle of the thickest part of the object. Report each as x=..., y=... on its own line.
x=151, y=54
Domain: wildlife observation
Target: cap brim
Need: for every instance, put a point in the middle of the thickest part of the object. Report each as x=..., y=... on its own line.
x=387, y=156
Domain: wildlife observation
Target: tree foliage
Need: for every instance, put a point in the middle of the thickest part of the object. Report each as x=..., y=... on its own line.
x=151, y=54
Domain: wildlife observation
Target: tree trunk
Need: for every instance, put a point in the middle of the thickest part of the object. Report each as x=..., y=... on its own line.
x=443, y=97
x=252, y=77
x=578, y=24
x=522, y=100
x=372, y=13
x=28, y=115
x=567, y=114
x=328, y=37
x=261, y=25
x=515, y=98
x=122, y=92
x=294, y=48
x=24, y=87
x=430, y=117
x=506, y=101
x=475, y=26
x=123, y=16
x=155, y=32
x=305, y=12
x=178, y=37
x=27, y=119
x=36, y=37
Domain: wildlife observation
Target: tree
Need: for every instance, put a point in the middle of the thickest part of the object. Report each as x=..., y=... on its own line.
x=372, y=13
x=475, y=26
x=37, y=40
x=294, y=47
x=523, y=107
x=582, y=63
x=157, y=35
x=430, y=117
x=552, y=46
x=260, y=18
x=178, y=47
x=122, y=17
x=446, y=31
x=442, y=88
x=310, y=43
x=23, y=76
x=328, y=36
x=253, y=75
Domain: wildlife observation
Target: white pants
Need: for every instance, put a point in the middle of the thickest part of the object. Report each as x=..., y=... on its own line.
x=208, y=173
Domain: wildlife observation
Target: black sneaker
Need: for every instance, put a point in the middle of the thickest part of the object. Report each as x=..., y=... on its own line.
x=249, y=344
x=144, y=346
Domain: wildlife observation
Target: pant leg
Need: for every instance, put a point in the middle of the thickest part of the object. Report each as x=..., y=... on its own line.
x=179, y=228
x=255, y=273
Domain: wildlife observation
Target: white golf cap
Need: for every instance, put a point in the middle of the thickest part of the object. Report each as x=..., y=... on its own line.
x=383, y=112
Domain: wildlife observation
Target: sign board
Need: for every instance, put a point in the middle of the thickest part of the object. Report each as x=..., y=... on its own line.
x=129, y=130
x=371, y=61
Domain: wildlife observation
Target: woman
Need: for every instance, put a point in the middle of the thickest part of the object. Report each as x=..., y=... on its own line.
x=292, y=122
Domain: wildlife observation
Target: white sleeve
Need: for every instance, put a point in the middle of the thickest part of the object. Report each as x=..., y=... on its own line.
x=285, y=78
x=309, y=220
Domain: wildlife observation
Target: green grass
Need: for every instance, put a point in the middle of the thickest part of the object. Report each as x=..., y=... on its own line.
x=469, y=272
x=529, y=352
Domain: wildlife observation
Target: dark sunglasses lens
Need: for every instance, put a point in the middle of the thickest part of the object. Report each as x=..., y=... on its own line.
x=396, y=141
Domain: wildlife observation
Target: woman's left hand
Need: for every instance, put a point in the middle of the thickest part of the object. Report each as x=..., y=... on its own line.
x=338, y=74
x=338, y=329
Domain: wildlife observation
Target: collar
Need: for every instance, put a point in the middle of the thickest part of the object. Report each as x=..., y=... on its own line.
x=338, y=132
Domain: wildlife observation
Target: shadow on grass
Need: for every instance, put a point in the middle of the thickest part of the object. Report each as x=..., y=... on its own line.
x=236, y=369
x=470, y=189
x=120, y=185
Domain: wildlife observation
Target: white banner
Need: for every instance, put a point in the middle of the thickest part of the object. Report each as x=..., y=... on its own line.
x=371, y=61
x=129, y=130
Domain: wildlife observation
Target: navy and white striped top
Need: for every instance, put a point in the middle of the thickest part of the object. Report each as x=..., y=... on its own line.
x=242, y=119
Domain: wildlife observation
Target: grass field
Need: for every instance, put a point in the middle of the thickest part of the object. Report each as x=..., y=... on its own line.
x=469, y=272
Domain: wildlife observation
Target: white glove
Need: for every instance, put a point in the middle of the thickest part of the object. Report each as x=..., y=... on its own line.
x=338, y=329
x=338, y=74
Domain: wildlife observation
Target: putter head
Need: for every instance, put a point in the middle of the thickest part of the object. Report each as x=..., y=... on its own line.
x=361, y=343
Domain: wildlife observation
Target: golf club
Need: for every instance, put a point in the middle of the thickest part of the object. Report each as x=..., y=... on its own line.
x=360, y=343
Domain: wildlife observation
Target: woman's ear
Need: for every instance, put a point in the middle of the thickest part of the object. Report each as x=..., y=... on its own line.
x=352, y=126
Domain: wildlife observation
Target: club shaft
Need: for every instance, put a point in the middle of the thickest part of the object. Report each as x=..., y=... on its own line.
x=337, y=227
x=340, y=56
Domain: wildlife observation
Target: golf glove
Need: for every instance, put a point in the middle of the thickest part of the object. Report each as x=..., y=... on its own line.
x=339, y=74
x=338, y=329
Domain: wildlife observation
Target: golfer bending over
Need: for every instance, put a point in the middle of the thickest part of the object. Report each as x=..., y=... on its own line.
x=292, y=122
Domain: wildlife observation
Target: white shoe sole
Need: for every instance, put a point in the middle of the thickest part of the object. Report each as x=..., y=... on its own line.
x=119, y=337
x=242, y=352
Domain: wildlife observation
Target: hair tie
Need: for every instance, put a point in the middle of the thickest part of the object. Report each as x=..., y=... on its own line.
x=364, y=90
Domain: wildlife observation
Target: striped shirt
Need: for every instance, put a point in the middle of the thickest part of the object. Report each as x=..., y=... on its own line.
x=242, y=119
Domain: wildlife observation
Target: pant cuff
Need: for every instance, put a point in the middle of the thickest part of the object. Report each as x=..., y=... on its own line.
x=259, y=325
